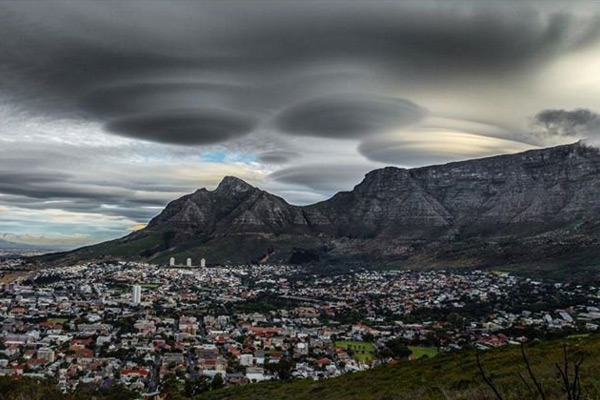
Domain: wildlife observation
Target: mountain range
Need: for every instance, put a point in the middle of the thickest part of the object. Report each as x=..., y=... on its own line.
x=538, y=209
x=6, y=246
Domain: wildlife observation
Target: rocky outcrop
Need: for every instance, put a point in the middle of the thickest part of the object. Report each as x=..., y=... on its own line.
x=443, y=214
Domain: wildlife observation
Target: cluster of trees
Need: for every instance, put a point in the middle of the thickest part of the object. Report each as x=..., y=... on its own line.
x=282, y=369
x=395, y=348
x=173, y=389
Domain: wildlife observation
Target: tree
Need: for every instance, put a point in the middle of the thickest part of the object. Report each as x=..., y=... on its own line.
x=395, y=348
x=368, y=337
x=217, y=382
x=194, y=387
x=571, y=385
x=169, y=386
x=283, y=368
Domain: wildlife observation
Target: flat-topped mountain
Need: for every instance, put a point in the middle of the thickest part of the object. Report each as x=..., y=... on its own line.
x=537, y=208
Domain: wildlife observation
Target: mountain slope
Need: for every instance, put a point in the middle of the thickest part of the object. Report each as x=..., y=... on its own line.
x=539, y=207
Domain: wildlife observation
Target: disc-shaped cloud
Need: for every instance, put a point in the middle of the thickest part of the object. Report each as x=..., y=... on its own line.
x=348, y=117
x=435, y=146
x=278, y=157
x=325, y=177
x=183, y=127
x=141, y=97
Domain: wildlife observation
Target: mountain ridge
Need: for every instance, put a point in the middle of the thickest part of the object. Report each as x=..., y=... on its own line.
x=516, y=207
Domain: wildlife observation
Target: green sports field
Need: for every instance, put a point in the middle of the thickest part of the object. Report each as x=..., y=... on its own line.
x=362, y=351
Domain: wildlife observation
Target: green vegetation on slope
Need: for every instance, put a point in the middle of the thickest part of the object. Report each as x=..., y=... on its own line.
x=446, y=376
x=420, y=351
x=33, y=389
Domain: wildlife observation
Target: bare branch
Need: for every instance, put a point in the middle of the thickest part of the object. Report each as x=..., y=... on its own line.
x=567, y=384
x=577, y=381
x=565, y=380
x=573, y=389
x=531, y=374
x=525, y=382
x=486, y=379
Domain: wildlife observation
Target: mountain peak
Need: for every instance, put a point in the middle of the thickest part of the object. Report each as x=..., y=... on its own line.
x=522, y=206
x=233, y=184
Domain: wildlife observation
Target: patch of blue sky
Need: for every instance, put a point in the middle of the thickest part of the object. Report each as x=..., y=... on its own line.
x=223, y=157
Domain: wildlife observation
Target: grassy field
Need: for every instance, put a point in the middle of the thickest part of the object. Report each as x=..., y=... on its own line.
x=447, y=376
x=10, y=277
x=57, y=320
x=362, y=351
x=151, y=286
x=419, y=351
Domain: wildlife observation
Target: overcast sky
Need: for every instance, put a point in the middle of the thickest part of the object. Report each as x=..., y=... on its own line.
x=108, y=110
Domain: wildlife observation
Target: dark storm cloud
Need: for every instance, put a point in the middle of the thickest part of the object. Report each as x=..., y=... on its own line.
x=184, y=127
x=348, y=117
x=107, y=60
x=575, y=123
x=323, y=177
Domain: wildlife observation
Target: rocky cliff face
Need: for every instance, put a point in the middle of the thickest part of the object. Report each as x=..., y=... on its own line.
x=505, y=209
x=524, y=191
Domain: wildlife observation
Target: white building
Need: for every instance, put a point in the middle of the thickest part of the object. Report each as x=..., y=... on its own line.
x=136, y=294
x=172, y=262
x=188, y=262
x=246, y=360
x=46, y=354
x=255, y=374
x=203, y=263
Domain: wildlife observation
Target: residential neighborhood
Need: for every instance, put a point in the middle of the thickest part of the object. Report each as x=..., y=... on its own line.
x=139, y=324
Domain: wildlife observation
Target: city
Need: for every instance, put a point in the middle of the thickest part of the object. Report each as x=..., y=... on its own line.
x=139, y=325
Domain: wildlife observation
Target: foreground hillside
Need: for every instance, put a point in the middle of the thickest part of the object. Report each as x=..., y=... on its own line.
x=447, y=376
x=538, y=209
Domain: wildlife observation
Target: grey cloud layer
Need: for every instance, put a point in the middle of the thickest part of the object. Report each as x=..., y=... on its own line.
x=348, y=116
x=186, y=127
x=37, y=178
x=276, y=84
x=323, y=177
x=278, y=156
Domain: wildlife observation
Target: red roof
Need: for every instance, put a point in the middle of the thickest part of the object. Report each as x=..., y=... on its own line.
x=81, y=342
x=83, y=353
x=140, y=371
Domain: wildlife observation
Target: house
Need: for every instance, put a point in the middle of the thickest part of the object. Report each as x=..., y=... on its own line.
x=246, y=359
x=255, y=374
x=46, y=354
